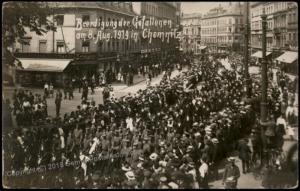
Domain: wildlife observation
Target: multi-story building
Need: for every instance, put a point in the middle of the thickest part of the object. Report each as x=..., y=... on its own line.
x=191, y=24
x=221, y=28
x=159, y=10
x=72, y=43
x=282, y=28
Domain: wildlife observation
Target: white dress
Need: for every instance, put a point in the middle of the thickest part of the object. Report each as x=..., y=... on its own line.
x=129, y=123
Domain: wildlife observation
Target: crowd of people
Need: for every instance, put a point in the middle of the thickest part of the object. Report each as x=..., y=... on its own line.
x=28, y=107
x=172, y=135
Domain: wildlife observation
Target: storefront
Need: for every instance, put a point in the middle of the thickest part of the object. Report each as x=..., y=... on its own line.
x=36, y=72
x=288, y=62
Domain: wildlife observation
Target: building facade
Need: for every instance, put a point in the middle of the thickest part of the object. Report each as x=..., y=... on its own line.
x=87, y=56
x=191, y=41
x=160, y=10
x=282, y=28
x=221, y=28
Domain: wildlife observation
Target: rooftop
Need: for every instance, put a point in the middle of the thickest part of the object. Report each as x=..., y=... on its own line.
x=192, y=15
x=114, y=7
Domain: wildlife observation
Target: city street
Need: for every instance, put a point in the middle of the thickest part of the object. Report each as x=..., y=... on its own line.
x=213, y=95
x=70, y=105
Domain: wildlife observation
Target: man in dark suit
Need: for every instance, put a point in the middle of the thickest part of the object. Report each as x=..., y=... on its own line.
x=58, y=100
x=244, y=154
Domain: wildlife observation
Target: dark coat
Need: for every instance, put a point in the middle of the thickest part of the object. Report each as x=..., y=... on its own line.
x=244, y=150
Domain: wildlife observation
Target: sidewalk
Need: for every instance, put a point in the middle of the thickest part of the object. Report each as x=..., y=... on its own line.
x=70, y=105
x=246, y=181
x=120, y=91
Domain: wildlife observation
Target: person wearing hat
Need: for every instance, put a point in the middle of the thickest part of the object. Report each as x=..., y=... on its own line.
x=231, y=174
x=163, y=183
x=131, y=180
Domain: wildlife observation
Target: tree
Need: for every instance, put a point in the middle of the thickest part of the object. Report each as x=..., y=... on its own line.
x=19, y=15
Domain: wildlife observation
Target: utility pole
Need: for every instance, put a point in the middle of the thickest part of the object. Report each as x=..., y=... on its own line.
x=264, y=87
x=246, y=52
x=264, y=70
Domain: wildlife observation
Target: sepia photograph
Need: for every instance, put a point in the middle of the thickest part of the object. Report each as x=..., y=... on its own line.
x=150, y=95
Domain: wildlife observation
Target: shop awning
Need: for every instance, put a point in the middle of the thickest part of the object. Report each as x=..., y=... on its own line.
x=44, y=65
x=258, y=54
x=288, y=57
x=202, y=47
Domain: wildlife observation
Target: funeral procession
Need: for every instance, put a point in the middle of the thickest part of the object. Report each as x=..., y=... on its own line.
x=149, y=95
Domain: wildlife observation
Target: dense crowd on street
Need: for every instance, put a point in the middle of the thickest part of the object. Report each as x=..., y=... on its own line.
x=172, y=135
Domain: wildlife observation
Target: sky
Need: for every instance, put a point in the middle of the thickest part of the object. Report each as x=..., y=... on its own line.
x=199, y=7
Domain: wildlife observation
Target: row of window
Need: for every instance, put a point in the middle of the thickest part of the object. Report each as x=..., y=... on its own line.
x=269, y=8
x=193, y=31
x=292, y=17
x=277, y=40
x=257, y=25
x=160, y=11
x=112, y=45
x=220, y=39
x=220, y=30
x=280, y=21
x=222, y=21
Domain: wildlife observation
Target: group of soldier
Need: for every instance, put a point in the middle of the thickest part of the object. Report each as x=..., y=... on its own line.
x=172, y=135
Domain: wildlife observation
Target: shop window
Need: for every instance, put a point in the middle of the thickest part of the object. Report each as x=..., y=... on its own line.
x=85, y=46
x=60, y=47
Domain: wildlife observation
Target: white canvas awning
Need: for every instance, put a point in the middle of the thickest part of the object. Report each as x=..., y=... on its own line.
x=288, y=57
x=258, y=54
x=44, y=65
x=202, y=47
